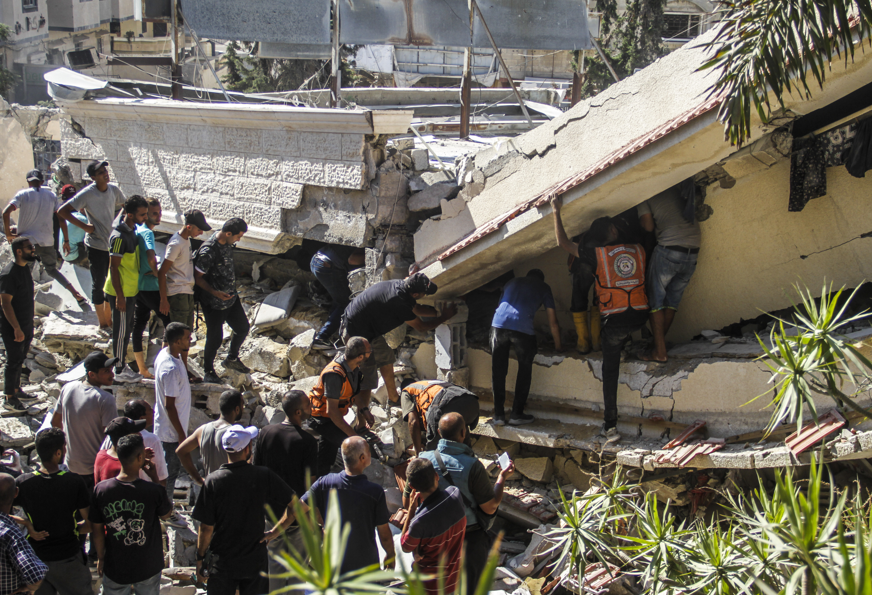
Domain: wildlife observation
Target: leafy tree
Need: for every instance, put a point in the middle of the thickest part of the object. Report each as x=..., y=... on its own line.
x=7, y=77
x=250, y=74
x=771, y=46
x=630, y=40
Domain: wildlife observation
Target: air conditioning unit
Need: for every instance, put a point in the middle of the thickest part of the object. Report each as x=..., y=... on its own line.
x=152, y=9
x=80, y=59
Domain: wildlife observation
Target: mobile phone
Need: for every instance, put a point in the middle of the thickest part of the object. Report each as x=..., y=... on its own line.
x=504, y=461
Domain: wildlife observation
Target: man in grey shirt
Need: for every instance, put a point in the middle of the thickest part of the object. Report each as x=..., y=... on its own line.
x=99, y=201
x=672, y=263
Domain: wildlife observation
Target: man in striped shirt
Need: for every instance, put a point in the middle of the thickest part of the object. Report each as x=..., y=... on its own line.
x=435, y=526
x=20, y=570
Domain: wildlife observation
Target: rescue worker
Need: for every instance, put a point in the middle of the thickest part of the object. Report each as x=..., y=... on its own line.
x=332, y=396
x=425, y=402
x=621, y=297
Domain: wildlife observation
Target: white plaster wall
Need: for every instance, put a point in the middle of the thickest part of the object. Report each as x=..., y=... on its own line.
x=16, y=158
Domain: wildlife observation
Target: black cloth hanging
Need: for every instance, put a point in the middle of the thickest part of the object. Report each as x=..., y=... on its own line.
x=687, y=189
x=859, y=159
x=808, y=171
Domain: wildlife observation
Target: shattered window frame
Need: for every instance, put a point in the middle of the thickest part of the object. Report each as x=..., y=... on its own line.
x=45, y=152
x=687, y=26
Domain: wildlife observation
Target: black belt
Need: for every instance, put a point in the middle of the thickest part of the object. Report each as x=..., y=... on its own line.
x=682, y=249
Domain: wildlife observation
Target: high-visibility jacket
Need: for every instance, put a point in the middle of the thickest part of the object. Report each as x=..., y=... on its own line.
x=319, y=400
x=620, y=278
x=424, y=392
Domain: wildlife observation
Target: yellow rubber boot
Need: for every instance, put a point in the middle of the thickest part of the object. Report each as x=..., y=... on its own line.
x=596, y=325
x=580, y=319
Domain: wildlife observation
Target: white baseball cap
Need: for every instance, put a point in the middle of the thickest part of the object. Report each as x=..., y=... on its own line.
x=236, y=438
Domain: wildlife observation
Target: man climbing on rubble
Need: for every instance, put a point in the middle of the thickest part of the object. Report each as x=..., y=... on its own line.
x=426, y=401
x=36, y=208
x=337, y=389
x=620, y=293
x=361, y=503
x=16, y=325
x=148, y=298
x=434, y=528
x=231, y=509
x=673, y=261
x=331, y=265
x=122, y=285
x=172, y=397
x=99, y=201
x=378, y=310
x=216, y=285
x=208, y=438
x=292, y=453
x=125, y=516
x=458, y=466
x=512, y=328
x=176, y=275
x=51, y=498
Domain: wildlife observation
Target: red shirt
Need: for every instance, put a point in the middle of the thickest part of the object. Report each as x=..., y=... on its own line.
x=436, y=531
x=105, y=467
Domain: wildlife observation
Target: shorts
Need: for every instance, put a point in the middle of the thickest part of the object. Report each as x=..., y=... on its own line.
x=382, y=355
x=182, y=308
x=668, y=275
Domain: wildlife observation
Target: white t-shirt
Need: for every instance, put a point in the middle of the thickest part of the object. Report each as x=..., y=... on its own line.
x=180, y=276
x=153, y=442
x=100, y=207
x=35, y=209
x=170, y=380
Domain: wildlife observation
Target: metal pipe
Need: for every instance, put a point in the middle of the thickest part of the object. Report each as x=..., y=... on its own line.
x=604, y=59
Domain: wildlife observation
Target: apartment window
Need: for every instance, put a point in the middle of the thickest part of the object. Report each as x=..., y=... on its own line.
x=45, y=152
x=29, y=5
x=159, y=30
x=681, y=26
x=115, y=27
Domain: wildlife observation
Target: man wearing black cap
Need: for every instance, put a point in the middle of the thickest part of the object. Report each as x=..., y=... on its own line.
x=107, y=465
x=216, y=284
x=36, y=212
x=16, y=324
x=176, y=274
x=99, y=201
x=380, y=309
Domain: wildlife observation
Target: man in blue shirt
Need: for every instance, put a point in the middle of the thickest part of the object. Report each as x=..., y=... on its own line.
x=512, y=328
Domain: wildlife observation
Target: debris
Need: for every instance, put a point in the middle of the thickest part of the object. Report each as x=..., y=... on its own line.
x=45, y=303
x=535, y=469
x=265, y=355
x=691, y=429
x=276, y=307
x=15, y=431
x=813, y=433
x=535, y=552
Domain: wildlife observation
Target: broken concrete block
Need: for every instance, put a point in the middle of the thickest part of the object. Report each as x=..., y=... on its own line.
x=578, y=478
x=539, y=469
x=277, y=307
x=310, y=365
x=301, y=345
x=420, y=159
x=46, y=303
x=46, y=360
x=484, y=447
x=431, y=197
x=265, y=355
x=402, y=144
x=15, y=431
x=676, y=493
x=509, y=446
x=460, y=377
x=272, y=415
x=470, y=191
x=37, y=376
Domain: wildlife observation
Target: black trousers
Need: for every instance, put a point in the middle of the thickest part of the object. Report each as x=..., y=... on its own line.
x=16, y=353
x=614, y=335
x=236, y=319
x=99, y=260
x=501, y=341
x=330, y=440
x=122, y=326
x=146, y=303
x=478, y=544
x=222, y=582
x=583, y=277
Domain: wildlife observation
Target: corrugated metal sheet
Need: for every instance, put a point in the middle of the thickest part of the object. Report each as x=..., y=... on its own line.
x=813, y=433
x=278, y=21
x=520, y=24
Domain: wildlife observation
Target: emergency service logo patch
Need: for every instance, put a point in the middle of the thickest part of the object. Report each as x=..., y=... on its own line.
x=625, y=266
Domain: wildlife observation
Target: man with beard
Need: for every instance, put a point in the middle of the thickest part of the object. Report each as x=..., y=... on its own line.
x=16, y=324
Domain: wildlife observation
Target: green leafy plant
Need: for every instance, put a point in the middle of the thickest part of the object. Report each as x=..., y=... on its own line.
x=8, y=79
x=771, y=46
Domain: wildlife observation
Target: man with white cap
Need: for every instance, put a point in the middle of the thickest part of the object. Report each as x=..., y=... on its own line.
x=231, y=509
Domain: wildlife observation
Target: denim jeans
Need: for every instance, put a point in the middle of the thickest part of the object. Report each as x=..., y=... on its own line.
x=501, y=341
x=614, y=335
x=149, y=586
x=335, y=281
x=668, y=275
x=174, y=466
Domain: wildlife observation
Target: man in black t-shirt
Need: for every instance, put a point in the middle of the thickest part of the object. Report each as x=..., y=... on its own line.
x=291, y=452
x=231, y=509
x=125, y=517
x=16, y=324
x=50, y=498
x=378, y=310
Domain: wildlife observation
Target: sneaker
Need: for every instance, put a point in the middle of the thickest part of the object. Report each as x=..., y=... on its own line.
x=321, y=345
x=611, y=435
x=519, y=419
x=13, y=404
x=105, y=332
x=499, y=420
x=211, y=378
x=236, y=364
x=175, y=520
x=127, y=375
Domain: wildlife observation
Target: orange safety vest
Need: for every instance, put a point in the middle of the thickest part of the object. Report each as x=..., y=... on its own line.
x=620, y=278
x=316, y=395
x=424, y=393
